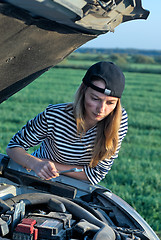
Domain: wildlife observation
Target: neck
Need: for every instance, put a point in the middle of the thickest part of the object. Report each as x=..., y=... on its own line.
x=89, y=125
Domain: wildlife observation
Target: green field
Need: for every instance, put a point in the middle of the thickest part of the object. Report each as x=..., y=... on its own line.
x=135, y=175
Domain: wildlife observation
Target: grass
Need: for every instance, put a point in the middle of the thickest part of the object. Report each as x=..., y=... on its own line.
x=135, y=175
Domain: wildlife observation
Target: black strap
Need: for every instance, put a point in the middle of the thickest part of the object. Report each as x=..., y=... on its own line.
x=102, y=90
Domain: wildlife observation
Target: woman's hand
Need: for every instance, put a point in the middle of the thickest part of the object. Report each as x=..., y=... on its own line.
x=45, y=169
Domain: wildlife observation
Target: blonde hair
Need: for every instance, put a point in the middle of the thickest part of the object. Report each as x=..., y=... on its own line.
x=106, y=141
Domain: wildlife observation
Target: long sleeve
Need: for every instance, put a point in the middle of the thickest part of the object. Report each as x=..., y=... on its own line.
x=32, y=134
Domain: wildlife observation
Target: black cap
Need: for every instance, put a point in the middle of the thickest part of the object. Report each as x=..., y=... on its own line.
x=111, y=74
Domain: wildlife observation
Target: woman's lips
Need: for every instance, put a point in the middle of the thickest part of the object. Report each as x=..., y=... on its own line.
x=98, y=114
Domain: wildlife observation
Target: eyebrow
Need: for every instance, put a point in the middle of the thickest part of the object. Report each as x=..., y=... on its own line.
x=95, y=95
x=111, y=100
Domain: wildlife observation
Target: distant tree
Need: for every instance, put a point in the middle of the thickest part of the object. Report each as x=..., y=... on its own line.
x=119, y=59
x=142, y=59
x=158, y=59
x=101, y=57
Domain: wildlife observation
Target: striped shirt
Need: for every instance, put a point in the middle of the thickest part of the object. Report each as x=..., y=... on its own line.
x=55, y=128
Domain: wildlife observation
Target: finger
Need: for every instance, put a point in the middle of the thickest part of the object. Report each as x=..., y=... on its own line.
x=45, y=174
x=52, y=167
x=47, y=171
x=52, y=171
x=41, y=176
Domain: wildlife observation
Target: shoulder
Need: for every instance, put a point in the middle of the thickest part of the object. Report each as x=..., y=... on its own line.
x=54, y=107
x=124, y=113
x=61, y=110
x=124, y=117
x=61, y=107
x=124, y=123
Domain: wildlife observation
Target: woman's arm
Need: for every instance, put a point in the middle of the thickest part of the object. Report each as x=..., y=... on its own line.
x=77, y=175
x=44, y=168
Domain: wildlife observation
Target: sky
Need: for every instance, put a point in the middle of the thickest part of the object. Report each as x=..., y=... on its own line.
x=138, y=34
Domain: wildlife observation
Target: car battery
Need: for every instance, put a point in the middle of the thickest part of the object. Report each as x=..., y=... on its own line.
x=54, y=225
x=26, y=230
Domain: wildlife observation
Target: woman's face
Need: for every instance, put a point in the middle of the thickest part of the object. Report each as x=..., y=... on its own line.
x=97, y=105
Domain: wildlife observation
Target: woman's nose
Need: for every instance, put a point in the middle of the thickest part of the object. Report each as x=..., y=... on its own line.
x=101, y=107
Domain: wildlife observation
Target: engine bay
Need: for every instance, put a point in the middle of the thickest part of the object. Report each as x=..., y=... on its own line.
x=48, y=216
x=31, y=208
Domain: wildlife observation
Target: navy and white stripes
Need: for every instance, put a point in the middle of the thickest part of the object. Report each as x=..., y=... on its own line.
x=55, y=129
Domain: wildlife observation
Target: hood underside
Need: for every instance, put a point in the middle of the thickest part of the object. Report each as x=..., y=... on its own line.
x=37, y=35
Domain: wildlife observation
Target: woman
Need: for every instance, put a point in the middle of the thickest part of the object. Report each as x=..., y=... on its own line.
x=86, y=134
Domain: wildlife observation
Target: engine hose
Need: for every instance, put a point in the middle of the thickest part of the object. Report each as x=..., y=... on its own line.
x=77, y=211
x=102, y=234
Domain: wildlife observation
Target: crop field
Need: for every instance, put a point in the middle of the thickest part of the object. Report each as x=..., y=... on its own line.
x=136, y=174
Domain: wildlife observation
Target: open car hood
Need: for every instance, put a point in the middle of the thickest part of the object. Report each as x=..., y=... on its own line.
x=37, y=35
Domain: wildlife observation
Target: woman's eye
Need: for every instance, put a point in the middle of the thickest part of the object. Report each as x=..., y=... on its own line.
x=109, y=103
x=95, y=99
